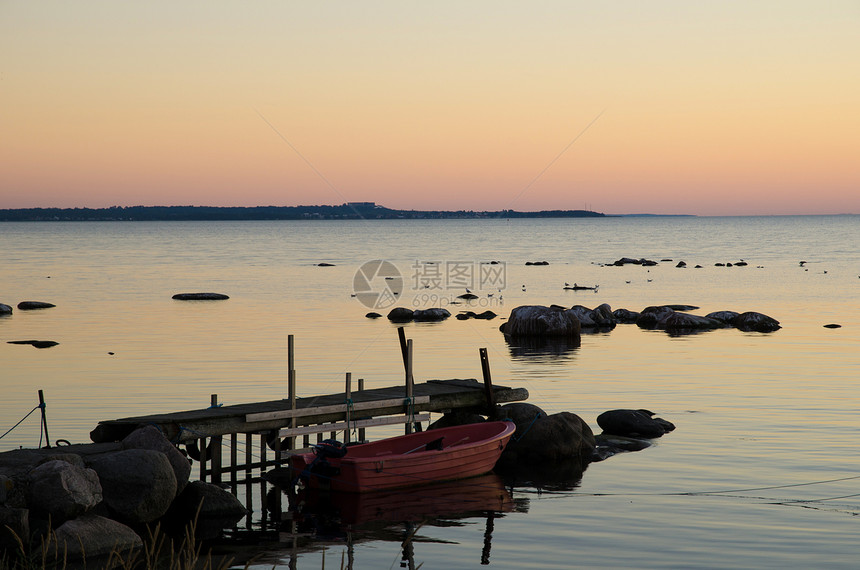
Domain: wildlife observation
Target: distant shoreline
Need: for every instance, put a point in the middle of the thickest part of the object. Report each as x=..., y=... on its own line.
x=348, y=211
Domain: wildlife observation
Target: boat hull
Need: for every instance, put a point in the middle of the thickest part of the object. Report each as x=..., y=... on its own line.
x=426, y=457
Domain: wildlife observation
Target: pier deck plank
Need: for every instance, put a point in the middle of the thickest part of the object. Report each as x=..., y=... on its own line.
x=185, y=426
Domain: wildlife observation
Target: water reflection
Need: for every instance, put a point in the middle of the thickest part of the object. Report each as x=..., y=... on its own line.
x=556, y=350
x=405, y=516
x=560, y=475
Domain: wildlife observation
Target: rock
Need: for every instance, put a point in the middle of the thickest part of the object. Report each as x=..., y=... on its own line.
x=725, y=317
x=467, y=296
x=218, y=509
x=36, y=343
x=400, y=315
x=537, y=262
x=631, y=423
x=5, y=309
x=324, y=264
x=741, y=264
x=681, y=264
x=32, y=305
x=600, y=317
x=537, y=320
x=752, y=321
x=430, y=315
x=200, y=297
x=14, y=526
x=682, y=307
x=464, y=316
x=61, y=491
x=138, y=484
x=92, y=536
x=681, y=321
x=625, y=316
x=372, y=315
x=550, y=438
x=833, y=326
x=150, y=437
x=653, y=317
x=216, y=502
x=626, y=261
x=486, y=315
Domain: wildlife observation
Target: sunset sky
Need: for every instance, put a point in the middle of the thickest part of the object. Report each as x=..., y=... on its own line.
x=662, y=106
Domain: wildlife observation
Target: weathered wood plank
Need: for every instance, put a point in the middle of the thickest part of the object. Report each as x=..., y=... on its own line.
x=357, y=406
x=338, y=426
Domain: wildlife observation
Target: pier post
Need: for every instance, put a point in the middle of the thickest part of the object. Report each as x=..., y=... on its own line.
x=488, y=381
x=44, y=419
x=360, y=389
x=348, y=393
x=409, y=382
x=291, y=382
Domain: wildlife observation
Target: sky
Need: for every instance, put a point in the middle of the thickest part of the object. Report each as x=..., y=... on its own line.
x=666, y=106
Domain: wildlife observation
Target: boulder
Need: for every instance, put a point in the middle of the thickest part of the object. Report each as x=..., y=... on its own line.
x=200, y=297
x=212, y=500
x=752, y=321
x=14, y=526
x=61, y=491
x=90, y=537
x=600, y=317
x=430, y=315
x=725, y=317
x=654, y=317
x=625, y=316
x=32, y=305
x=456, y=418
x=683, y=321
x=538, y=320
x=5, y=309
x=400, y=315
x=550, y=438
x=632, y=423
x=150, y=437
x=138, y=484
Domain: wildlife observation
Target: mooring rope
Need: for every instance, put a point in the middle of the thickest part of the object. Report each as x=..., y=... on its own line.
x=38, y=406
x=522, y=435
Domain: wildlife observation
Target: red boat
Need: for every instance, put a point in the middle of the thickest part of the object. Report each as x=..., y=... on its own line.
x=415, y=459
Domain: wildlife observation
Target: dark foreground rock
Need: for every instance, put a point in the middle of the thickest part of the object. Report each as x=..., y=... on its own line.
x=546, y=438
x=138, y=484
x=200, y=297
x=150, y=437
x=92, y=536
x=60, y=491
x=633, y=423
x=5, y=309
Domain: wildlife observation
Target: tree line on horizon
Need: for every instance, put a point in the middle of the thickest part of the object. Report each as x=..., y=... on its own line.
x=349, y=211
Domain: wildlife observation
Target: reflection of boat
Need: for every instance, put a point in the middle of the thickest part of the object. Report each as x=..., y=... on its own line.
x=449, y=499
x=425, y=457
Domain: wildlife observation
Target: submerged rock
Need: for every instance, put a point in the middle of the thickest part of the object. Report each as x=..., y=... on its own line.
x=752, y=321
x=725, y=317
x=430, y=315
x=200, y=297
x=631, y=423
x=33, y=305
x=36, y=343
x=833, y=326
x=400, y=315
x=5, y=309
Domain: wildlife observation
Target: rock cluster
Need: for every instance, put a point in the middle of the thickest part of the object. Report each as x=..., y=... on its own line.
x=404, y=315
x=541, y=321
x=89, y=500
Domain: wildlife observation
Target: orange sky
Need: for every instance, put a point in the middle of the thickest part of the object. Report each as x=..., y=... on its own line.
x=737, y=108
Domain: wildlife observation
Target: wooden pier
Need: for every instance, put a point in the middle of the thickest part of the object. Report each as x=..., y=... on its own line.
x=277, y=424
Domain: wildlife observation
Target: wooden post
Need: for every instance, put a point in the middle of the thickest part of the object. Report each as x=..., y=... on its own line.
x=403, y=344
x=44, y=419
x=202, y=444
x=291, y=381
x=249, y=457
x=488, y=381
x=234, y=457
x=360, y=389
x=348, y=393
x=215, y=460
x=410, y=409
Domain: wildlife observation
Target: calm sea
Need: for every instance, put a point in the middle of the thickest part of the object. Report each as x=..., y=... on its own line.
x=762, y=471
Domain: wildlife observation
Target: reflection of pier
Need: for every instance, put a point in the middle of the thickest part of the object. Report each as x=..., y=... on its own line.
x=396, y=515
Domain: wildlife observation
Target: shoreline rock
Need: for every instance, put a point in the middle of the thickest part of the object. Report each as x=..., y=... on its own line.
x=200, y=297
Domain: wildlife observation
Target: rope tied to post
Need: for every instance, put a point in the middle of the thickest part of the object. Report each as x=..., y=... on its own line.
x=38, y=406
x=351, y=416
